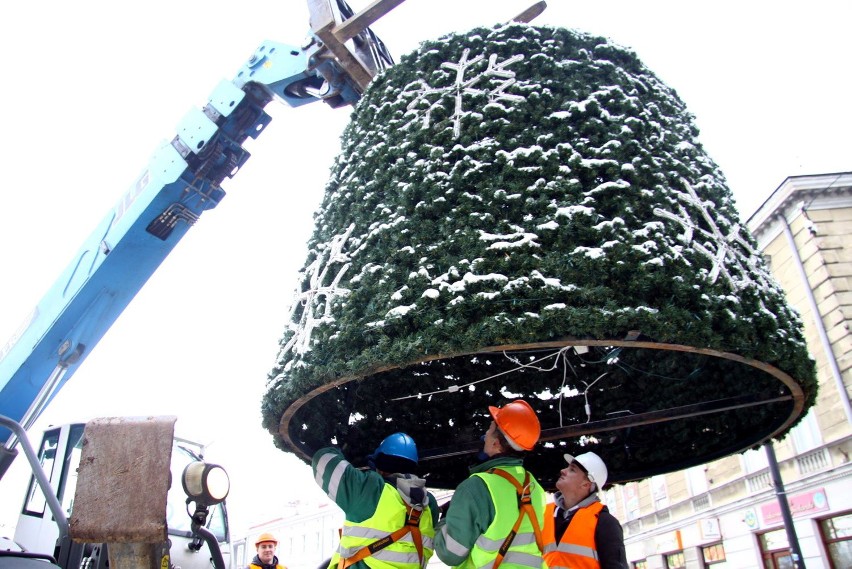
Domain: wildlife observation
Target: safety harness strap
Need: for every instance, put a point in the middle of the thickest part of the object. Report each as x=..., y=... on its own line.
x=525, y=508
x=412, y=524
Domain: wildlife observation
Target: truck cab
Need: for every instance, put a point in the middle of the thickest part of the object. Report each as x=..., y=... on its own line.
x=59, y=455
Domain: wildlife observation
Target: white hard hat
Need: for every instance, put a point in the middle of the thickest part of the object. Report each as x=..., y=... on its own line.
x=593, y=465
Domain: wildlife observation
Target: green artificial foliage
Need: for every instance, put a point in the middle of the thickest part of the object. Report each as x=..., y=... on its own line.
x=502, y=196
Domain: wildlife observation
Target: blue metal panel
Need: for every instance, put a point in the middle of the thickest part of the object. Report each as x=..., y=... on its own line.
x=181, y=181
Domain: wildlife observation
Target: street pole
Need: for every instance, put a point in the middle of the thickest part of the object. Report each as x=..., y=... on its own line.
x=778, y=484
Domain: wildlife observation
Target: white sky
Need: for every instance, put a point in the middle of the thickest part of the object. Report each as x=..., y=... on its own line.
x=90, y=88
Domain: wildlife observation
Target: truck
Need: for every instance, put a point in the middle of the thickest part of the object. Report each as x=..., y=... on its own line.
x=43, y=533
x=182, y=180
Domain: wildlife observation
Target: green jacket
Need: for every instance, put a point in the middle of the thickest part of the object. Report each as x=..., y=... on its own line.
x=356, y=492
x=471, y=513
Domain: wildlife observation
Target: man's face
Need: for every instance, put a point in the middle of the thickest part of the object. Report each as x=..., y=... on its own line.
x=574, y=484
x=266, y=551
x=490, y=442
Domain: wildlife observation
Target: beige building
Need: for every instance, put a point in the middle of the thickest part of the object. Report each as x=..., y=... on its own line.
x=726, y=514
x=307, y=534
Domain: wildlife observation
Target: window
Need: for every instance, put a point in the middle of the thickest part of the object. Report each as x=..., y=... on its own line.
x=696, y=477
x=837, y=536
x=630, y=497
x=643, y=564
x=806, y=435
x=68, y=478
x=217, y=523
x=713, y=553
x=36, y=502
x=675, y=560
x=775, y=550
x=660, y=492
x=755, y=460
x=611, y=501
x=240, y=553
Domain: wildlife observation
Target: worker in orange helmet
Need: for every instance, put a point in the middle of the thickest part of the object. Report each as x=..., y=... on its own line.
x=496, y=515
x=265, y=558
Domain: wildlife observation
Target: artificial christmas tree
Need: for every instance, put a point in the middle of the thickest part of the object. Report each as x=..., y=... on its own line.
x=527, y=212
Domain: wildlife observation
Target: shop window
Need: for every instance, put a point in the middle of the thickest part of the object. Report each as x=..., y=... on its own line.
x=775, y=550
x=713, y=553
x=675, y=560
x=837, y=536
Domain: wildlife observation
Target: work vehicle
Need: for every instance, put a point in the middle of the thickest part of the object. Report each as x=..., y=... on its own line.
x=183, y=178
x=137, y=466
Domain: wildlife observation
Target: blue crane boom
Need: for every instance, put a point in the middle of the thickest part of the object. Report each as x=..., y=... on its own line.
x=182, y=179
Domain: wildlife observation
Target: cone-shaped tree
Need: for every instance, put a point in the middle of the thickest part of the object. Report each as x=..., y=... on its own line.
x=527, y=212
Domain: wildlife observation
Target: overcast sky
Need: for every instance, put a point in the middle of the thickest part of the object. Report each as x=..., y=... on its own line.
x=90, y=88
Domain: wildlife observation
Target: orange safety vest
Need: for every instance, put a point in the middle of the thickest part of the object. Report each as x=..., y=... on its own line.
x=576, y=549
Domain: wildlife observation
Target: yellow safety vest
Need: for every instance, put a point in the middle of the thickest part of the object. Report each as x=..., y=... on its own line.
x=390, y=516
x=523, y=553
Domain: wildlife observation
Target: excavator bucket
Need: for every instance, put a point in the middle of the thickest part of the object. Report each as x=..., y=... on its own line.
x=122, y=485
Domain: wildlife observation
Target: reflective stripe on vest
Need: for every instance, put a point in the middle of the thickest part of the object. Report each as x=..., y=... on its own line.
x=523, y=552
x=390, y=515
x=577, y=547
x=374, y=535
x=336, y=475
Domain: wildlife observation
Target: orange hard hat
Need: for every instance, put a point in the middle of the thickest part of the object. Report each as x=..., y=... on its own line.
x=265, y=537
x=518, y=422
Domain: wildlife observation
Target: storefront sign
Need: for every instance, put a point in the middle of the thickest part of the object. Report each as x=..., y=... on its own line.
x=669, y=541
x=800, y=504
x=750, y=519
x=708, y=529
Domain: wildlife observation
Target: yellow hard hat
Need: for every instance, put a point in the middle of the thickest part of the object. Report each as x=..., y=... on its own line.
x=265, y=537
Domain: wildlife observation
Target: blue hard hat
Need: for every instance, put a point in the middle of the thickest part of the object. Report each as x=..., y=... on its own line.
x=399, y=445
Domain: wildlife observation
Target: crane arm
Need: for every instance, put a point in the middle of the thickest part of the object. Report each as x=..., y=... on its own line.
x=182, y=179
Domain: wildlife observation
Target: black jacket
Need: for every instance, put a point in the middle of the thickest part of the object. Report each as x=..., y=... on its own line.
x=256, y=561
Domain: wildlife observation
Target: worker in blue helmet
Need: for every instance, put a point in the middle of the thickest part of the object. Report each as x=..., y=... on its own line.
x=390, y=517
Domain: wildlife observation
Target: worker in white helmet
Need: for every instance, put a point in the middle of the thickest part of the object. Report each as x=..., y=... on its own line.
x=578, y=529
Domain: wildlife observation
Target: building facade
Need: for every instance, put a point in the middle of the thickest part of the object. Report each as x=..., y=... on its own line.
x=307, y=532
x=727, y=513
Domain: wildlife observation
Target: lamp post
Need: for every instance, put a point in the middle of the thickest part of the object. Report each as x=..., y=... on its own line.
x=778, y=484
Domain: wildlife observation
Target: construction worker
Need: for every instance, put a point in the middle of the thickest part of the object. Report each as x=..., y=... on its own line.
x=495, y=516
x=389, y=515
x=265, y=558
x=579, y=531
